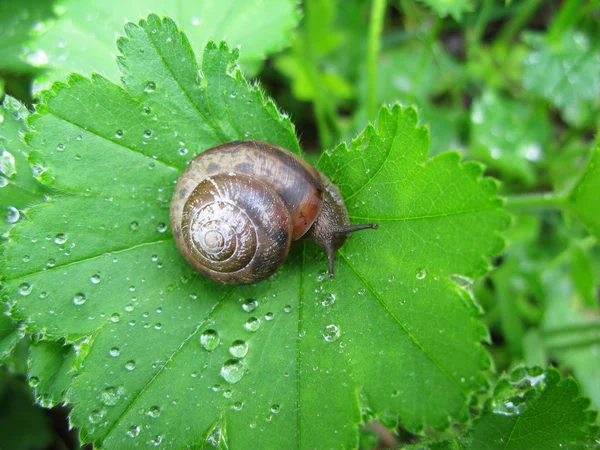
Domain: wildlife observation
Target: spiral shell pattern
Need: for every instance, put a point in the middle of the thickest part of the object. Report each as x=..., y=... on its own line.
x=234, y=229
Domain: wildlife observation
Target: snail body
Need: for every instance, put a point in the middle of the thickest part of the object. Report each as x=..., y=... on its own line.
x=238, y=207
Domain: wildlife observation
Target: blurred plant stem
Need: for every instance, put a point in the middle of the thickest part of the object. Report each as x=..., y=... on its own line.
x=324, y=109
x=514, y=25
x=548, y=200
x=375, y=27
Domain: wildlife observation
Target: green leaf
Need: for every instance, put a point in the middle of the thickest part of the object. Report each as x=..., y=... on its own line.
x=416, y=69
x=583, y=277
x=534, y=409
x=565, y=71
x=570, y=334
x=412, y=75
x=17, y=184
x=454, y=8
x=583, y=199
x=18, y=20
x=82, y=39
x=50, y=371
x=509, y=135
x=10, y=332
x=105, y=274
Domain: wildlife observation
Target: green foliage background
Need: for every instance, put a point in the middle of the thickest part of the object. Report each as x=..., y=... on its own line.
x=470, y=319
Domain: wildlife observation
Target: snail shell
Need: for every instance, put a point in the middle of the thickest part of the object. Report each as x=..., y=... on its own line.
x=238, y=207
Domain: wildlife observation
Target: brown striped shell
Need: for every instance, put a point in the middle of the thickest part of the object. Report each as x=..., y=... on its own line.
x=237, y=208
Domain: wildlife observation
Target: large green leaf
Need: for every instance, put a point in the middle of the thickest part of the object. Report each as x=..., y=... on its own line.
x=82, y=39
x=165, y=356
x=583, y=198
x=533, y=409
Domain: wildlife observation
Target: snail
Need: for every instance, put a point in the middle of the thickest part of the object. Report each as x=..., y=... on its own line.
x=237, y=208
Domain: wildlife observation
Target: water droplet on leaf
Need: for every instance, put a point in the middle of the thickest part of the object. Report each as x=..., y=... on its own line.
x=232, y=371
x=238, y=348
x=249, y=305
x=252, y=324
x=331, y=333
x=209, y=340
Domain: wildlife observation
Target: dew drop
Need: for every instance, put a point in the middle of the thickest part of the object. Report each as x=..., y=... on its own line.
x=238, y=348
x=156, y=440
x=161, y=227
x=60, y=238
x=287, y=309
x=110, y=396
x=115, y=351
x=25, y=289
x=232, y=371
x=96, y=416
x=252, y=324
x=60, y=147
x=331, y=333
x=421, y=274
x=95, y=279
x=249, y=305
x=269, y=316
x=147, y=134
x=154, y=412
x=130, y=365
x=328, y=299
x=33, y=381
x=12, y=214
x=150, y=86
x=133, y=431
x=119, y=134
x=275, y=408
x=209, y=340
x=238, y=406
x=79, y=299
x=183, y=151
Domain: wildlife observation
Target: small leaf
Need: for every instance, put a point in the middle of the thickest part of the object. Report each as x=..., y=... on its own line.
x=566, y=72
x=419, y=70
x=10, y=332
x=534, y=409
x=582, y=273
x=49, y=371
x=583, y=198
x=509, y=135
x=83, y=37
x=454, y=8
